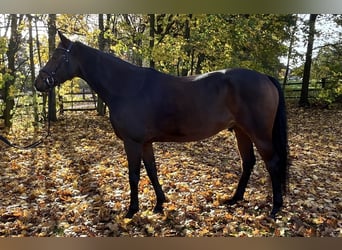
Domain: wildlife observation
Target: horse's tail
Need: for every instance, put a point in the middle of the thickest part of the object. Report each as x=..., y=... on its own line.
x=279, y=136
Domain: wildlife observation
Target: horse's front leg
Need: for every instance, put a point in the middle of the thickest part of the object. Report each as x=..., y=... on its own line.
x=150, y=165
x=133, y=152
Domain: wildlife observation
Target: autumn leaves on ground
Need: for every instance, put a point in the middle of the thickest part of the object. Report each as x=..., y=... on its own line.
x=76, y=184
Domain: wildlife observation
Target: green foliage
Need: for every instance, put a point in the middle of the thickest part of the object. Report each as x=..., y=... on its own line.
x=332, y=93
x=220, y=41
x=4, y=77
x=211, y=38
x=328, y=65
x=120, y=49
x=182, y=44
x=168, y=54
x=194, y=43
x=3, y=49
x=327, y=62
x=72, y=86
x=3, y=45
x=258, y=40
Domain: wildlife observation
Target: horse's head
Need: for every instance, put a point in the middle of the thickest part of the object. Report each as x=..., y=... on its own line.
x=59, y=68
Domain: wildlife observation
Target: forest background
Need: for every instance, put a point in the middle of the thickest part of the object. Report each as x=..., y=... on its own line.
x=302, y=48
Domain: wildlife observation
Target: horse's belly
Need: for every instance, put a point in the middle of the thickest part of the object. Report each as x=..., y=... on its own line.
x=193, y=130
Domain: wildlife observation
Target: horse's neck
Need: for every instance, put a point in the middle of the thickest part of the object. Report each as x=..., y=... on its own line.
x=110, y=77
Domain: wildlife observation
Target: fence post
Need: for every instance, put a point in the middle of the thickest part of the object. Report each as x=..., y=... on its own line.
x=324, y=82
x=61, y=104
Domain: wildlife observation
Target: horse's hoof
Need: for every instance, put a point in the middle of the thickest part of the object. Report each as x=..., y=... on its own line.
x=131, y=213
x=158, y=210
x=272, y=216
x=274, y=213
x=231, y=201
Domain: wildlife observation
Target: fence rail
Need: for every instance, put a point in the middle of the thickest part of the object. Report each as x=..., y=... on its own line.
x=86, y=100
x=292, y=89
x=79, y=101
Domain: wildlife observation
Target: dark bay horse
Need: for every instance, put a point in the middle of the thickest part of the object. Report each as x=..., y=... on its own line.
x=148, y=106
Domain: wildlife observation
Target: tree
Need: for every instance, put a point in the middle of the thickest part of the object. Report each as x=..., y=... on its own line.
x=188, y=49
x=326, y=66
x=101, y=108
x=13, y=48
x=198, y=43
x=135, y=25
x=32, y=69
x=175, y=43
x=3, y=68
x=257, y=40
x=292, y=31
x=304, y=95
x=178, y=44
x=52, y=30
x=151, y=38
x=327, y=61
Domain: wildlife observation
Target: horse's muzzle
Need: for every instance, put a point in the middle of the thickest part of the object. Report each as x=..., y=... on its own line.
x=40, y=84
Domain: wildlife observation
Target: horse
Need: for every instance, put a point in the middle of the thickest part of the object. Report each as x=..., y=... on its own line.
x=147, y=106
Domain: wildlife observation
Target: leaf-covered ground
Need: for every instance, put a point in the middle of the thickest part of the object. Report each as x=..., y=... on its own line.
x=76, y=184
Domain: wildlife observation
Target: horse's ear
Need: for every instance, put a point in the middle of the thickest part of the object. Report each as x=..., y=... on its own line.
x=65, y=41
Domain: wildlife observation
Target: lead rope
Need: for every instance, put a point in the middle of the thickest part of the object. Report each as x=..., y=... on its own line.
x=34, y=144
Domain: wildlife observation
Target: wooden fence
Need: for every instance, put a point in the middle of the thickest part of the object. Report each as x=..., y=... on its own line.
x=292, y=89
x=87, y=99
x=79, y=101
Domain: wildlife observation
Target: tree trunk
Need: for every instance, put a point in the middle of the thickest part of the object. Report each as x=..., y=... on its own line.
x=304, y=95
x=200, y=59
x=40, y=65
x=289, y=55
x=52, y=30
x=152, y=29
x=13, y=47
x=187, y=49
x=101, y=108
x=32, y=69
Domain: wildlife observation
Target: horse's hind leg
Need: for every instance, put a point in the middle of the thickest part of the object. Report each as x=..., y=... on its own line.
x=271, y=159
x=245, y=147
x=150, y=165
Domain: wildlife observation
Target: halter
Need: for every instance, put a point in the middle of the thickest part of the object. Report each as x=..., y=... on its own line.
x=50, y=79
